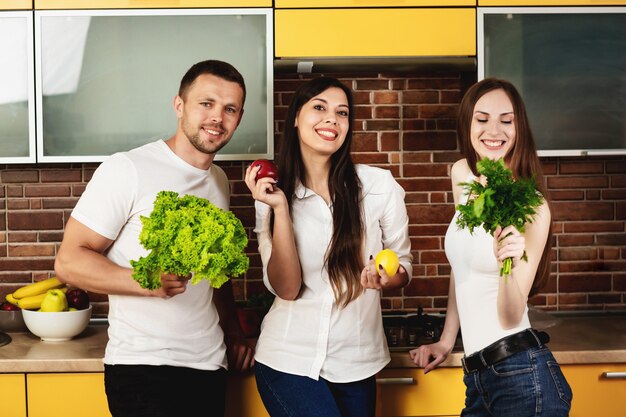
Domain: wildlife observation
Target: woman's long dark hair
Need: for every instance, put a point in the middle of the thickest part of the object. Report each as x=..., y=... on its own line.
x=344, y=255
x=522, y=158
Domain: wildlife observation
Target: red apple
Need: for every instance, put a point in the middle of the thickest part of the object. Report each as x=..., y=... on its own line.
x=6, y=306
x=268, y=169
x=77, y=299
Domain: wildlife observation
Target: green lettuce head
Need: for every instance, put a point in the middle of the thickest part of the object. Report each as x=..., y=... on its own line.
x=189, y=235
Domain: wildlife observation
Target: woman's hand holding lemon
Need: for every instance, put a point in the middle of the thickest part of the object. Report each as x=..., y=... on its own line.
x=378, y=272
x=388, y=260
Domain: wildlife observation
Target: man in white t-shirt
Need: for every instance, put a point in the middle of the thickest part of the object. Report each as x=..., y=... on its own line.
x=167, y=349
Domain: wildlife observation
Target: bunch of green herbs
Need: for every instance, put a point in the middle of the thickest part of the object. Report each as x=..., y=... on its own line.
x=189, y=235
x=503, y=201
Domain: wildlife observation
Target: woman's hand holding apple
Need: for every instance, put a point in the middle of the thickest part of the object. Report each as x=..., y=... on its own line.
x=262, y=178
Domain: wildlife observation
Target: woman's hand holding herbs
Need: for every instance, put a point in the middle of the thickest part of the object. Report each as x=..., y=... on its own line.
x=509, y=246
x=501, y=201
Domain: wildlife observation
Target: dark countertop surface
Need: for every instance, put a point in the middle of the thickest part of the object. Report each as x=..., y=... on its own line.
x=574, y=339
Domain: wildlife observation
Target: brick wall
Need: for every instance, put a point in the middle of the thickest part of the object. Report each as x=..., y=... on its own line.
x=404, y=123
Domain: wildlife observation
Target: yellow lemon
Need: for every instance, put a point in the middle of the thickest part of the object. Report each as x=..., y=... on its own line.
x=389, y=260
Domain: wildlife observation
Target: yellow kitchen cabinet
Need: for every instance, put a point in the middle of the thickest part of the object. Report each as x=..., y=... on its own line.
x=551, y=2
x=86, y=392
x=304, y=4
x=242, y=397
x=594, y=393
x=66, y=395
x=141, y=4
x=16, y=4
x=400, y=392
x=375, y=32
x=13, y=395
x=408, y=392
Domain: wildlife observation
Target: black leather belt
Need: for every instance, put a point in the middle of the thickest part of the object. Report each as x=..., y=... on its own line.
x=503, y=348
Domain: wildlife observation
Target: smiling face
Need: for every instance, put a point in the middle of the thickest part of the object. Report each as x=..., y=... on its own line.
x=210, y=112
x=323, y=122
x=492, y=130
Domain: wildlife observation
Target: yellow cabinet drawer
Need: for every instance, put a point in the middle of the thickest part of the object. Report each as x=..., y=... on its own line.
x=242, y=397
x=551, y=2
x=408, y=392
x=375, y=32
x=13, y=395
x=66, y=395
x=141, y=4
x=16, y=4
x=594, y=394
x=305, y=4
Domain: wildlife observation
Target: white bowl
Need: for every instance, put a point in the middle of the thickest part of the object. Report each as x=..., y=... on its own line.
x=57, y=327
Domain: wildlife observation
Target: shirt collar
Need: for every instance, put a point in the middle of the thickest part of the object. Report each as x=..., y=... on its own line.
x=301, y=192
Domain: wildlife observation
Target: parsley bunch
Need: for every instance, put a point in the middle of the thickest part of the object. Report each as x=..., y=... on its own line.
x=190, y=235
x=504, y=201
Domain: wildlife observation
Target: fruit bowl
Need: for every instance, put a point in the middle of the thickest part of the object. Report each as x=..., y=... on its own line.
x=12, y=321
x=57, y=326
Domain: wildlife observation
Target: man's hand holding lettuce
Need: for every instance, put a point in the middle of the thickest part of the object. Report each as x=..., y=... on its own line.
x=189, y=235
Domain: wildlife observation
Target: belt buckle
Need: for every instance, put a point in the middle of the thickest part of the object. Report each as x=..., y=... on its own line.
x=464, y=366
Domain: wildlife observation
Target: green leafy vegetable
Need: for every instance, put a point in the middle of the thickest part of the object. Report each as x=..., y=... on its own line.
x=504, y=201
x=190, y=235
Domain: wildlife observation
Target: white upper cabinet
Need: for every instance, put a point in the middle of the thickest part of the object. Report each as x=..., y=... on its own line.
x=17, y=133
x=106, y=79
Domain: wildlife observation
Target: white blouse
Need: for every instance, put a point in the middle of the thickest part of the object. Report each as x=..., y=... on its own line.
x=311, y=336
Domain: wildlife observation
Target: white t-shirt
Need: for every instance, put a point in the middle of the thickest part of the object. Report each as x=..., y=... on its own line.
x=311, y=336
x=476, y=280
x=182, y=330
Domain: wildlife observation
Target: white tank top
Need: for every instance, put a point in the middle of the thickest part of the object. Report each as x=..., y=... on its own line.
x=476, y=276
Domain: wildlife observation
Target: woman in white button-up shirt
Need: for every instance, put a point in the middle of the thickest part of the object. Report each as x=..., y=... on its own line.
x=318, y=228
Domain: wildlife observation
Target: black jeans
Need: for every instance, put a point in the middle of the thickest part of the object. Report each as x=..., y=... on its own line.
x=164, y=391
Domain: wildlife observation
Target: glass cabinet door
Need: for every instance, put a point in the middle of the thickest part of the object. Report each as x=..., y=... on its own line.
x=569, y=65
x=106, y=79
x=17, y=122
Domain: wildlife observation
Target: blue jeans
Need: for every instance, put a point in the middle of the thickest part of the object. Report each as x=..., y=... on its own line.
x=527, y=384
x=287, y=395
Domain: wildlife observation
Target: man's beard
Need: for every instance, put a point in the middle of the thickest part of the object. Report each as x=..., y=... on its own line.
x=206, y=147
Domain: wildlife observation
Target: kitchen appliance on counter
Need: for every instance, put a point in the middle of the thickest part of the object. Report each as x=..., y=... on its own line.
x=407, y=331
x=5, y=339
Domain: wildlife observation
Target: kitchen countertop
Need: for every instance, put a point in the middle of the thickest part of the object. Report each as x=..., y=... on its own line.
x=574, y=340
x=27, y=353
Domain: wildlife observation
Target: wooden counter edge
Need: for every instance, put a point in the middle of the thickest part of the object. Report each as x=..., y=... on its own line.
x=402, y=359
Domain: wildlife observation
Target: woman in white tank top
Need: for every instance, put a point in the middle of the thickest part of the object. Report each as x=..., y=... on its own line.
x=509, y=371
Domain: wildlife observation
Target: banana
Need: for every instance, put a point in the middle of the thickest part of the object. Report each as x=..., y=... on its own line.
x=34, y=301
x=37, y=288
x=11, y=299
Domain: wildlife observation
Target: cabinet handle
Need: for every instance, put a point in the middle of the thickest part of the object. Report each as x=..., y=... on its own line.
x=395, y=381
x=614, y=375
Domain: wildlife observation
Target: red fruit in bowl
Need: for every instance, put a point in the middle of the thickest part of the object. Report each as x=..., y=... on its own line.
x=77, y=299
x=268, y=169
x=6, y=306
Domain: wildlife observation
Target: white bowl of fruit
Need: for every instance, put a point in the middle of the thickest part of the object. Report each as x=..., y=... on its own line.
x=53, y=312
x=57, y=326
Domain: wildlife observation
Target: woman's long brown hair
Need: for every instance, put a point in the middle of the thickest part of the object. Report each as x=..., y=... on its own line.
x=522, y=159
x=343, y=258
